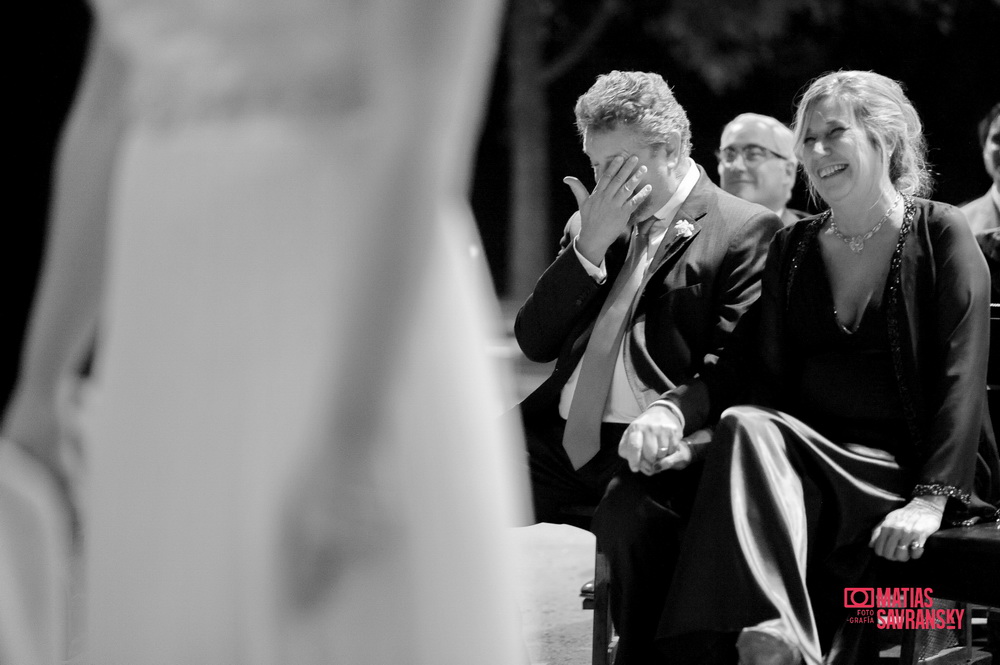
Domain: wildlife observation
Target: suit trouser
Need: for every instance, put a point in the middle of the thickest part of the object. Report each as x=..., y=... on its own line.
x=639, y=525
x=555, y=484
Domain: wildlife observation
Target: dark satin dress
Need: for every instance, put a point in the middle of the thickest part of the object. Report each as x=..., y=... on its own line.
x=797, y=493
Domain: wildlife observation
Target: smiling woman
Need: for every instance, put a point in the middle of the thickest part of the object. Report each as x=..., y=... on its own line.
x=865, y=378
x=863, y=118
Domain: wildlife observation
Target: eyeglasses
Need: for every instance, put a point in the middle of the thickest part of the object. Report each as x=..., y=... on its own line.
x=752, y=154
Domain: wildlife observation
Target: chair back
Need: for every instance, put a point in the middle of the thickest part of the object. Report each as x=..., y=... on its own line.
x=993, y=367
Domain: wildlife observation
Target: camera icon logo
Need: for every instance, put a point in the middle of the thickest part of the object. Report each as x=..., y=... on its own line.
x=859, y=597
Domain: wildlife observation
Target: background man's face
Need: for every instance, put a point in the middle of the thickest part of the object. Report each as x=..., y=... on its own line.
x=767, y=181
x=991, y=151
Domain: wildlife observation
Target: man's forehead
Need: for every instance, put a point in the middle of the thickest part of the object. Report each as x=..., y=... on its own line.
x=762, y=130
x=605, y=144
x=746, y=131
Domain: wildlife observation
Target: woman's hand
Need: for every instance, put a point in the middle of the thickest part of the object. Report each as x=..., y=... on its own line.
x=901, y=535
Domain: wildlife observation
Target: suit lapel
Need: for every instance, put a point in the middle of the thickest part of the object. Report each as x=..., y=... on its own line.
x=694, y=208
x=674, y=245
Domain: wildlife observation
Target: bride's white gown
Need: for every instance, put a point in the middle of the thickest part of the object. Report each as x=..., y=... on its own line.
x=260, y=199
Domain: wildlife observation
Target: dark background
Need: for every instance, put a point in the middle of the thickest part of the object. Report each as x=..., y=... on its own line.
x=950, y=74
x=947, y=54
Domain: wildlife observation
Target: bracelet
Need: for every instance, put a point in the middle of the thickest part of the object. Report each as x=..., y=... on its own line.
x=937, y=489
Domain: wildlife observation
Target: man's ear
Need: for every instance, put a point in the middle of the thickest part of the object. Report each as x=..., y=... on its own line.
x=672, y=148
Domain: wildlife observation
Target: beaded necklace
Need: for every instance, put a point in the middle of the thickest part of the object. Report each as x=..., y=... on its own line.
x=857, y=243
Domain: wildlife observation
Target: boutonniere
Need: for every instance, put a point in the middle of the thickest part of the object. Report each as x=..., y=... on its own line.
x=685, y=229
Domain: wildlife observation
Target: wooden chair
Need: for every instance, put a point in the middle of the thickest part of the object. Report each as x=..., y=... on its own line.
x=993, y=368
x=603, y=634
x=603, y=638
x=959, y=564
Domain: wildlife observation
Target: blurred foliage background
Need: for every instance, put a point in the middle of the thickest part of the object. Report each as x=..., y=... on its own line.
x=722, y=57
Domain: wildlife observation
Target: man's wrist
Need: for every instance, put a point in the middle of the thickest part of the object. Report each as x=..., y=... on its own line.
x=589, y=251
x=673, y=408
x=596, y=270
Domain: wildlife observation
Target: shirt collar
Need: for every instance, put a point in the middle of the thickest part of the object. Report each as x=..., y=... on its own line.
x=666, y=214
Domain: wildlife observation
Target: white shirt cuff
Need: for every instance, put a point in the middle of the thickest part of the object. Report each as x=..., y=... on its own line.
x=599, y=273
x=673, y=408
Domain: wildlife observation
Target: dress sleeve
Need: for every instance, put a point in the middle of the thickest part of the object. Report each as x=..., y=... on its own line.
x=954, y=360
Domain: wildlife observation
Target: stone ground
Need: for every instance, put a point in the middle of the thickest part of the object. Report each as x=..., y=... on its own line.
x=554, y=560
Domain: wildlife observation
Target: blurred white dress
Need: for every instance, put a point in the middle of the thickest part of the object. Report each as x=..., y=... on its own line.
x=289, y=252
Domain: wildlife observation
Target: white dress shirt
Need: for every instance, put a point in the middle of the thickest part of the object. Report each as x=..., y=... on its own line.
x=622, y=405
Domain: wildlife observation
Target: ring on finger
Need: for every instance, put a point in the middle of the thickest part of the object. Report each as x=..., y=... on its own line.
x=916, y=546
x=626, y=187
x=902, y=547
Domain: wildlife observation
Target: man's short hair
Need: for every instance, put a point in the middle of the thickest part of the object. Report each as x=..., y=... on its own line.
x=641, y=101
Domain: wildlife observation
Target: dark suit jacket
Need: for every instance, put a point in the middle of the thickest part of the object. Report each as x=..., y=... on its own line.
x=699, y=287
x=982, y=213
x=989, y=242
x=789, y=216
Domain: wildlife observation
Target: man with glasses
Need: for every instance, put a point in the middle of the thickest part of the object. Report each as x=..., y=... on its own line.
x=757, y=163
x=984, y=213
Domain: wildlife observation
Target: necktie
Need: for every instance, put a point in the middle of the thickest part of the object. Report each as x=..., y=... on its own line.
x=582, y=436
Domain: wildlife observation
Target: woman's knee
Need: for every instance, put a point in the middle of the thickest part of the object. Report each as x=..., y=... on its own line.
x=742, y=416
x=751, y=424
